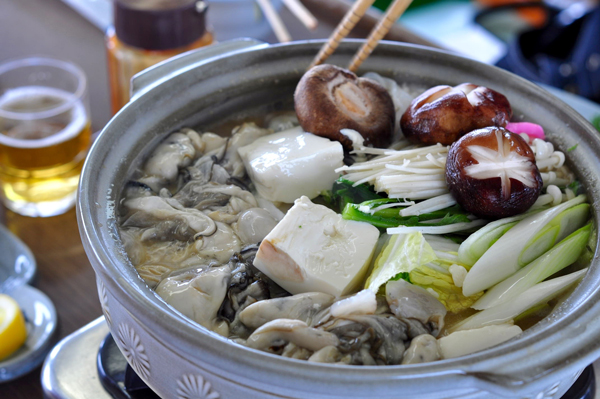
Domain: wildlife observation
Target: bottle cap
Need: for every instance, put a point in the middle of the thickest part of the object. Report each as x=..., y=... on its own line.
x=159, y=24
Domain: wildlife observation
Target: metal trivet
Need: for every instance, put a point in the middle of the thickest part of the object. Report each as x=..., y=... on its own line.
x=119, y=379
x=77, y=369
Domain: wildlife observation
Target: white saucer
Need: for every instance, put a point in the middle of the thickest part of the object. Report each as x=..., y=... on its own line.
x=17, y=264
x=40, y=316
x=17, y=269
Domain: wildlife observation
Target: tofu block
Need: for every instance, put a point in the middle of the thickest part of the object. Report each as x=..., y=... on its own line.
x=464, y=342
x=313, y=249
x=287, y=165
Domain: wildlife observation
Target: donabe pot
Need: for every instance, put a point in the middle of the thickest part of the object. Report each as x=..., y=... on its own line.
x=179, y=359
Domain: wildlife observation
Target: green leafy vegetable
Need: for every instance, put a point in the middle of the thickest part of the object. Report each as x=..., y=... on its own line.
x=449, y=219
x=596, y=122
x=573, y=148
x=446, y=250
x=410, y=257
x=448, y=293
x=401, y=254
x=356, y=203
x=576, y=187
x=343, y=193
x=401, y=276
x=390, y=217
x=351, y=212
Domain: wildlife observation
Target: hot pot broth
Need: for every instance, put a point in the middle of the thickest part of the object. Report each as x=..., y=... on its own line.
x=192, y=220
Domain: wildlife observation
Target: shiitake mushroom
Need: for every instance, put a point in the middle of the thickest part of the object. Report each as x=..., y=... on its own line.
x=492, y=173
x=443, y=114
x=329, y=98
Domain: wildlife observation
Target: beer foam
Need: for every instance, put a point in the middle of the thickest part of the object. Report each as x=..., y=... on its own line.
x=77, y=124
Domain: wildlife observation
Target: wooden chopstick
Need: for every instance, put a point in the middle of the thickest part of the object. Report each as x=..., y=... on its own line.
x=389, y=19
x=350, y=19
x=302, y=13
x=275, y=21
x=332, y=12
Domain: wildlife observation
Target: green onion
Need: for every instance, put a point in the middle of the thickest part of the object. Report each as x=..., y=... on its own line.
x=530, y=238
x=509, y=310
x=477, y=243
x=560, y=256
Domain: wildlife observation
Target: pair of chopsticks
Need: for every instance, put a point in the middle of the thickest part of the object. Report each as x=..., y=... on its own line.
x=350, y=20
x=296, y=8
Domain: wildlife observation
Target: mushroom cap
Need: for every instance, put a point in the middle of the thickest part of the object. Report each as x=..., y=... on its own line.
x=329, y=98
x=492, y=173
x=443, y=114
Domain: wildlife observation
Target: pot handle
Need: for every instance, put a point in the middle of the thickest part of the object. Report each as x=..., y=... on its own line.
x=545, y=384
x=148, y=78
x=509, y=388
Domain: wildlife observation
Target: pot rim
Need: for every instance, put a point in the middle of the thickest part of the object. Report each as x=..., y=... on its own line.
x=485, y=366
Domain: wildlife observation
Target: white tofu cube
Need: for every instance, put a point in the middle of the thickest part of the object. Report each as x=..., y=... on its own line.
x=313, y=249
x=286, y=165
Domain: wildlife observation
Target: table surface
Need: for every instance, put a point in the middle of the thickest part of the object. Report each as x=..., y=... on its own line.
x=51, y=28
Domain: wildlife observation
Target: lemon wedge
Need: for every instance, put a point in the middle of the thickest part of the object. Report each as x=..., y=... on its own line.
x=13, y=331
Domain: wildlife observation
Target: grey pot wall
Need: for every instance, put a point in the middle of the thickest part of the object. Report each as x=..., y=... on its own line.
x=176, y=357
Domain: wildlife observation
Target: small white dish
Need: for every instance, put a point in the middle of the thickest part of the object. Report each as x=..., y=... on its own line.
x=17, y=269
x=40, y=316
x=17, y=264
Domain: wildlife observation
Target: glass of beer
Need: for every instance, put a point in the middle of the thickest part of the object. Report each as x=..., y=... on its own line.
x=45, y=134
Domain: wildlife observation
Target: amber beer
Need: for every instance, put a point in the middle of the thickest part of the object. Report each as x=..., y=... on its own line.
x=41, y=158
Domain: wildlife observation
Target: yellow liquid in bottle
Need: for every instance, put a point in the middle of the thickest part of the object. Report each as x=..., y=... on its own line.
x=124, y=61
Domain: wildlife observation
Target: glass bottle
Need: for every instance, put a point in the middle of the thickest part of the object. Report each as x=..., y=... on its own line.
x=147, y=32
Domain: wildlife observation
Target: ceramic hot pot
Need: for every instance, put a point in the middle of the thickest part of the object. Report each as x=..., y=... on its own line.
x=179, y=359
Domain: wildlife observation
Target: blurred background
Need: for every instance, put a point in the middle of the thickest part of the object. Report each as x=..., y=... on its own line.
x=556, y=42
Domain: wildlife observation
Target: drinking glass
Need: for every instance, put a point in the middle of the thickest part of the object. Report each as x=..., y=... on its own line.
x=45, y=134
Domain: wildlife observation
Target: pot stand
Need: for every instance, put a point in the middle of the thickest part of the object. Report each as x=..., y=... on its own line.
x=88, y=363
x=117, y=376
